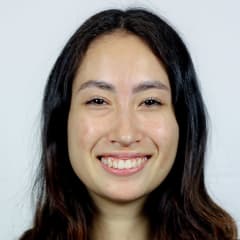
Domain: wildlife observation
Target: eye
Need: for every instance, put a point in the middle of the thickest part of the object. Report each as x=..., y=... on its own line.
x=96, y=101
x=152, y=102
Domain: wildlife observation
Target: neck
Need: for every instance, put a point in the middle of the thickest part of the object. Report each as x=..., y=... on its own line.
x=117, y=221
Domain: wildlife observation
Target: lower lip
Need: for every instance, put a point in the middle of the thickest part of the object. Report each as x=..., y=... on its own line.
x=123, y=172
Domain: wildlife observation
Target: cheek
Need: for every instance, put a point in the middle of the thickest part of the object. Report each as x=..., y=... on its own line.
x=164, y=132
x=167, y=133
x=83, y=131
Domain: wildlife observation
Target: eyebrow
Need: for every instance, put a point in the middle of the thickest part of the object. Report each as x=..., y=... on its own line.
x=143, y=86
x=155, y=84
x=97, y=84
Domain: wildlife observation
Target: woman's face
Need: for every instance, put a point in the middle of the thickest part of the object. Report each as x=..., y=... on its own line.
x=122, y=131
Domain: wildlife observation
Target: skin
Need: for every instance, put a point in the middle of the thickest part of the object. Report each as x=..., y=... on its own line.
x=125, y=121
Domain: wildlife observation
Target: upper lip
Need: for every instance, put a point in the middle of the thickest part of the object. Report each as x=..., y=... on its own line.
x=124, y=155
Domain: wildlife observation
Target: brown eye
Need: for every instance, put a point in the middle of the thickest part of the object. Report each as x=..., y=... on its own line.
x=96, y=101
x=152, y=102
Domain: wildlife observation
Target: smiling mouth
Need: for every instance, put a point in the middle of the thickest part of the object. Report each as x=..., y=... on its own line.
x=124, y=163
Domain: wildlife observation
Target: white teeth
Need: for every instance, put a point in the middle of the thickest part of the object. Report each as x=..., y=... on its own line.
x=123, y=164
x=104, y=161
x=128, y=164
x=109, y=162
x=134, y=163
x=115, y=164
x=139, y=161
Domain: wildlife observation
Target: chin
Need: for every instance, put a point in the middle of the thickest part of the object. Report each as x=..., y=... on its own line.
x=124, y=196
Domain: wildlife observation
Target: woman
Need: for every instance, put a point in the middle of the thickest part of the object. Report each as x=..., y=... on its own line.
x=123, y=138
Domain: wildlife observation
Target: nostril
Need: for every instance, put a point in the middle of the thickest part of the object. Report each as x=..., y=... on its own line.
x=125, y=140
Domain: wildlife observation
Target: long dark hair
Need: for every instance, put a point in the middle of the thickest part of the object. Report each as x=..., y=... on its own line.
x=180, y=208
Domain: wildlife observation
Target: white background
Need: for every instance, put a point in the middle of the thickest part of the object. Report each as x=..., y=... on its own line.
x=32, y=34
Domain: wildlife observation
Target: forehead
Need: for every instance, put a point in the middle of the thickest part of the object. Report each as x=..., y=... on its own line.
x=121, y=58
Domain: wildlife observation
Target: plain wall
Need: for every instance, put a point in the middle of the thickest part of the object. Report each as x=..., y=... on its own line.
x=32, y=34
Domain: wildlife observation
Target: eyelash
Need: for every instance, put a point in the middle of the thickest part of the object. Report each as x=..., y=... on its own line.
x=147, y=102
x=96, y=101
x=152, y=102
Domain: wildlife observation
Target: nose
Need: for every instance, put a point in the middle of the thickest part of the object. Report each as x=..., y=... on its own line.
x=125, y=130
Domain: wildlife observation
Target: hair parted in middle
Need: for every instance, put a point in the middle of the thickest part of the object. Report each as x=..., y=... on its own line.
x=181, y=203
